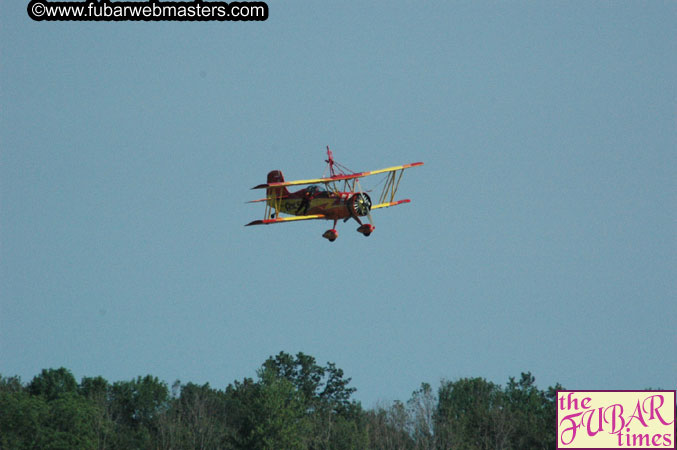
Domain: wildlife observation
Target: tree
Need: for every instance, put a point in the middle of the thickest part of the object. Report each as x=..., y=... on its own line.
x=325, y=397
x=21, y=419
x=347, y=432
x=471, y=415
x=267, y=414
x=96, y=391
x=241, y=419
x=136, y=407
x=30, y=420
x=304, y=374
x=335, y=391
x=316, y=384
x=52, y=383
x=201, y=414
x=533, y=411
x=421, y=409
x=280, y=410
x=387, y=427
x=69, y=424
x=10, y=384
x=293, y=403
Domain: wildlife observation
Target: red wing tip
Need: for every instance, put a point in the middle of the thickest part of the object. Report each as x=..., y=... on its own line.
x=399, y=202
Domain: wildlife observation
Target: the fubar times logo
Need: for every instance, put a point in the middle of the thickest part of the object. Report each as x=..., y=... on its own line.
x=616, y=419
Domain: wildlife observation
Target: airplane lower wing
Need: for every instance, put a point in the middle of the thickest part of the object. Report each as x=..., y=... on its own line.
x=286, y=219
x=386, y=205
x=318, y=216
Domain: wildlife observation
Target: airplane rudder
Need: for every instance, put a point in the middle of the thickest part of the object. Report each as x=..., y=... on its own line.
x=275, y=176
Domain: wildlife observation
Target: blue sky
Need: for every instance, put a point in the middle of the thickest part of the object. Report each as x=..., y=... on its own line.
x=541, y=235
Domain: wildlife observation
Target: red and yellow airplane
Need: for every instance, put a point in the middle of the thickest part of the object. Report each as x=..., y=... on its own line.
x=326, y=198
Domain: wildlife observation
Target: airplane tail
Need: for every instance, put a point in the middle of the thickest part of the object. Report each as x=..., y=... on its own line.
x=276, y=176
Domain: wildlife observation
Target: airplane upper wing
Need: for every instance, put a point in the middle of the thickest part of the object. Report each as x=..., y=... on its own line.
x=285, y=219
x=338, y=177
x=385, y=205
x=281, y=197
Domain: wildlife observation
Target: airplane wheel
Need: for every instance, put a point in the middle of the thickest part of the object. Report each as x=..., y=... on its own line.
x=366, y=229
x=330, y=235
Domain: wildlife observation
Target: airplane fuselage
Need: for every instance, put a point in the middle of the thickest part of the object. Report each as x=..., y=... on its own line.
x=333, y=205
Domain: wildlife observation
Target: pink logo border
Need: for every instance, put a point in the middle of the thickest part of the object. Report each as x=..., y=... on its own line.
x=557, y=446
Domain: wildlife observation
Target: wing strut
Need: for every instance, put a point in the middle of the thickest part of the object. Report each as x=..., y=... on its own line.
x=390, y=187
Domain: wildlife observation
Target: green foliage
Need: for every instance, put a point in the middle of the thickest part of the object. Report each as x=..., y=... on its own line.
x=135, y=409
x=137, y=402
x=294, y=403
x=70, y=424
x=319, y=386
x=52, y=383
x=10, y=384
x=421, y=410
x=473, y=413
x=94, y=388
x=279, y=411
x=30, y=421
x=387, y=427
x=528, y=407
x=197, y=418
x=21, y=419
x=96, y=391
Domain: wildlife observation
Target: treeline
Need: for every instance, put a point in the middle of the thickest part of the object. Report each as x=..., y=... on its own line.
x=293, y=403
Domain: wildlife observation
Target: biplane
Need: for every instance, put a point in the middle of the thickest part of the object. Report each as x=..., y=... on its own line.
x=336, y=197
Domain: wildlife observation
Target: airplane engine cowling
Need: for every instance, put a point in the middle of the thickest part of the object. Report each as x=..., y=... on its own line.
x=359, y=204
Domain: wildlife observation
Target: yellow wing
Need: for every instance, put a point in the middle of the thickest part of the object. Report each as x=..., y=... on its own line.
x=386, y=205
x=285, y=219
x=338, y=177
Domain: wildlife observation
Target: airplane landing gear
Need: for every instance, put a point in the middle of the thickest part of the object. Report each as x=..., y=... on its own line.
x=330, y=235
x=366, y=229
